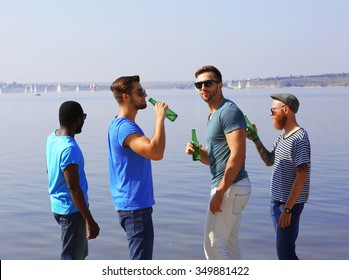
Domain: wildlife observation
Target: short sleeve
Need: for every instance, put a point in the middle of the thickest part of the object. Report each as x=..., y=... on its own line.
x=70, y=155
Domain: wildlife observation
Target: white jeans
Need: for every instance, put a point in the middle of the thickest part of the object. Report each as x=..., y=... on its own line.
x=222, y=229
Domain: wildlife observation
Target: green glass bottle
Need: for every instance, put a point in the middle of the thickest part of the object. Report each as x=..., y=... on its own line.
x=172, y=116
x=196, y=144
x=251, y=130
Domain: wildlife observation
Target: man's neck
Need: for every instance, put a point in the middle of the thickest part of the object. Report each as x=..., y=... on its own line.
x=290, y=128
x=63, y=131
x=215, y=103
x=128, y=114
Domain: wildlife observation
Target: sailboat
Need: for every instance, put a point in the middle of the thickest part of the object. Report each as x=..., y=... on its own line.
x=59, y=89
x=239, y=85
x=248, y=86
x=77, y=89
x=92, y=87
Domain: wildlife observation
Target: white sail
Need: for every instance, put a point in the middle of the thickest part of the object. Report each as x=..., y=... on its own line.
x=248, y=85
x=92, y=87
x=77, y=89
x=59, y=89
x=239, y=85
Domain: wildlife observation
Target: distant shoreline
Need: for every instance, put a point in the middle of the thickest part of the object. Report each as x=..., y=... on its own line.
x=315, y=81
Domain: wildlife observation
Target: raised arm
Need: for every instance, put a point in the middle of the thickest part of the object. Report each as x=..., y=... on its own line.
x=153, y=148
x=266, y=156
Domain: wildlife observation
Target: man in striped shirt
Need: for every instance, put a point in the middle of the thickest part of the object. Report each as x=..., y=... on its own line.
x=290, y=180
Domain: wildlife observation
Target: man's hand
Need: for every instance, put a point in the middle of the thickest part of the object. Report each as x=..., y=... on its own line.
x=216, y=202
x=92, y=230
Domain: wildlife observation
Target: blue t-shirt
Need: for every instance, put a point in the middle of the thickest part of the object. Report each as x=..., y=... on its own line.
x=227, y=118
x=60, y=152
x=131, y=182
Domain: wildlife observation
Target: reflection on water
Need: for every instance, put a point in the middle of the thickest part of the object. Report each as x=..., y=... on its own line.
x=29, y=231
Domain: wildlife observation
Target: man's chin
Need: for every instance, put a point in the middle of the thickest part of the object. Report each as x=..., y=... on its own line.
x=206, y=99
x=142, y=106
x=277, y=125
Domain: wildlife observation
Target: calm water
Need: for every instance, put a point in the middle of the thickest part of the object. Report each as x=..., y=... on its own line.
x=28, y=230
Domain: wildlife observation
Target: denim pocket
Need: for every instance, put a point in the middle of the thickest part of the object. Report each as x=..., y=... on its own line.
x=132, y=222
x=240, y=202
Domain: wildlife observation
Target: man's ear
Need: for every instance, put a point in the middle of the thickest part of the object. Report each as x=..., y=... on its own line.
x=125, y=96
x=287, y=109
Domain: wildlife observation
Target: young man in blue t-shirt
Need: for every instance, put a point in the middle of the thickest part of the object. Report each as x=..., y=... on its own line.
x=68, y=185
x=130, y=155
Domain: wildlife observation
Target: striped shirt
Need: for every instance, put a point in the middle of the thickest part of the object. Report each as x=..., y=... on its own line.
x=290, y=152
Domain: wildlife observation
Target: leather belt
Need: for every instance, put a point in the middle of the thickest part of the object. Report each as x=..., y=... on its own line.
x=278, y=202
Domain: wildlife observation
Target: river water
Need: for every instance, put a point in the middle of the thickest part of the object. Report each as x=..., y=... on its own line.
x=28, y=230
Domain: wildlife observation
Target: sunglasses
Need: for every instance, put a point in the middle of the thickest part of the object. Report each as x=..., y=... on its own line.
x=84, y=116
x=141, y=92
x=273, y=111
x=206, y=83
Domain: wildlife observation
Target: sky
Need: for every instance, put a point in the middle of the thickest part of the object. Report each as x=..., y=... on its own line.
x=162, y=40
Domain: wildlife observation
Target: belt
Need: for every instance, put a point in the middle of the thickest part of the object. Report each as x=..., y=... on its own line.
x=278, y=202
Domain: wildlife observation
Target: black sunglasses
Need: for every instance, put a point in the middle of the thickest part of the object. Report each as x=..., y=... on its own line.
x=141, y=92
x=207, y=83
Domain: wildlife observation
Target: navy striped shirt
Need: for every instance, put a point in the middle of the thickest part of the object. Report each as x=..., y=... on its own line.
x=290, y=152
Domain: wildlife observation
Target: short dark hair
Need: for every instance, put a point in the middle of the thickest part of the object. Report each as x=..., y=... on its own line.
x=209, y=68
x=69, y=112
x=123, y=85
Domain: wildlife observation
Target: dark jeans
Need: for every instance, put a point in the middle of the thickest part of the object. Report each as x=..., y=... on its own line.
x=73, y=236
x=286, y=237
x=138, y=225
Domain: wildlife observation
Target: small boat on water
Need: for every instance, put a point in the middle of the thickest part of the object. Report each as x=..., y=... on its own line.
x=92, y=87
x=239, y=85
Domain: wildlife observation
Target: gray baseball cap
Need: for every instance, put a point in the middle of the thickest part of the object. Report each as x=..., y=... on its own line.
x=288, y=99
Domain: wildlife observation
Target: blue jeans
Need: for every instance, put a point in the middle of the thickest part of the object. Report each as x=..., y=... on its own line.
x=73, y=236
x=138, y=225
x=286, y=237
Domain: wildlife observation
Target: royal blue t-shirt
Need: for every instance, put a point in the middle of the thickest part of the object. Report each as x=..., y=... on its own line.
x=131, y=182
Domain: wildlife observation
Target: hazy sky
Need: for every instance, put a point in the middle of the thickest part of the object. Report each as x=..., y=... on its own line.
x=163, y=40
